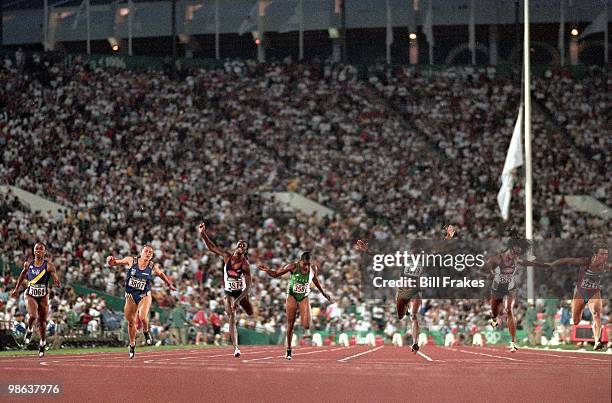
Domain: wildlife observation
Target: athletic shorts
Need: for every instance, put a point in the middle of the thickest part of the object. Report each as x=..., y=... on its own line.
x=136, y=297
x=298, y=297
x=406, y=294
x=501, y=293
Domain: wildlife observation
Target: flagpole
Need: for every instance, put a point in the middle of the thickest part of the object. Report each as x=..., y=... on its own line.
x=606, y=35
x=528, y=166
x=46, y=25
x=217, y=49
x=88, y=28
x=261, y=57
x=389, y=32
x=430, y=40
x=562, y=34
x=130, y=12
x=301, y=32
x=472, y=33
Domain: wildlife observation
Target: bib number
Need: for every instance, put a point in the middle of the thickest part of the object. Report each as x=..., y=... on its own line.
x=505, y=278
x=234, y=285
x=588, y=284
x=37, y=290
x=299, y=288
x=137, y=283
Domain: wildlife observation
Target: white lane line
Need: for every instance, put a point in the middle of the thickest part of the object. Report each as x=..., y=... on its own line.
x=487, y=355
x=425, y=356
x=530, y=351
x=294, y=354
x=357, y=355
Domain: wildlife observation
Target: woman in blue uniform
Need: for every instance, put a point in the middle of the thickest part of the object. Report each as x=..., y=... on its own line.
x=37, y=273
x=138, y=278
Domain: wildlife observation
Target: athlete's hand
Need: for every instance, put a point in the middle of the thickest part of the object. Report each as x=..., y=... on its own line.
x=263, y=267
x=110, y=260
x=326, y=295
x=58, y=284
x=202, y=228
x=361, y=246
x=15, y=293
x=172, y=287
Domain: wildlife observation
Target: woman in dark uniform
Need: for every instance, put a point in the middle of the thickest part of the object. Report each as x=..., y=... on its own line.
x=37, y=272
x=138, y=298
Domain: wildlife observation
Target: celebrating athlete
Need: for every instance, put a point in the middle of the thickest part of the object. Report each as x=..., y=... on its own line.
x=236, y=281
x=302, y=273
x=409, y=296
x=138, y=278
x=503, y=269
x=37, y=273
x=587, y=291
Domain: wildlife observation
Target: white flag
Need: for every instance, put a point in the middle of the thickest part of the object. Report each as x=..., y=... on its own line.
x=428, y=24
x=78, y=15
x=514, y=159
x=598, y=25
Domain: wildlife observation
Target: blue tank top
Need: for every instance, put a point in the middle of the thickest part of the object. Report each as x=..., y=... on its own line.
x=37, y=277
x=137, y=280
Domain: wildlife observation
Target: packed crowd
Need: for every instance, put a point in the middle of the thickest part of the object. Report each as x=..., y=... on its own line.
x=141, y=158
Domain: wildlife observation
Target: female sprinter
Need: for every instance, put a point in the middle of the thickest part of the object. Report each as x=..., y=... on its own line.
x=37, y=272
x=303, y=272
x=138, y=278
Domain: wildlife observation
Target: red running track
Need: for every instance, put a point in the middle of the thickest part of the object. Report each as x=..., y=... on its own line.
x=353, y=374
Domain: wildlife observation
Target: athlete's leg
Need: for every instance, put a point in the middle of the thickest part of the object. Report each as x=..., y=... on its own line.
x=32, y=308
x=595, y=306
x=415, y=305
x=231, y=314
x=305, y=315
x=508, y=307
x=402, y=307
x=291, y=310
x=245, y=303
x=129, y=310
x=578, y=305
x=144, y=306
x=496, y=305
x=43, y=310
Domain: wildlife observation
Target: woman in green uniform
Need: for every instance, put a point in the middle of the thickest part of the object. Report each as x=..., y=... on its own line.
x=302, y=273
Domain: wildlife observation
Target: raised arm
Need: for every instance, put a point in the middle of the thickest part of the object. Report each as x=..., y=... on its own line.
x=276, y=273
x=210, y=244
x=53, y=272
x=534, y=263
x=573, y=261
x=362, y=246
x=20, y=279
x=159, y=272
x=317, y=283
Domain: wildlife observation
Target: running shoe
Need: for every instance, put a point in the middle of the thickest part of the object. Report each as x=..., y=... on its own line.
x=41, y=350
x=513, y=347
x=598, y=346
x=494, y=323
x=236, y=352
x=148, y=339
x=415, y=348
x=288, y=355
x=28, y=337
x=132, y=351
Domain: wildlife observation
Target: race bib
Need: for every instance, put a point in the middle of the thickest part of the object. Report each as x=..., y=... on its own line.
x=137, y=283
x=588, y=284
x=300, y=288
x=505, y=278
x=37, y=290
x=234, y=285
x=413, y=271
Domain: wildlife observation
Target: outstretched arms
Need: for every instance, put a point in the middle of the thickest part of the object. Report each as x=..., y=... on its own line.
x=317, y=283
x=20, y=279
x=113, y=261
x=276, y=273
x=159, y=272
x=575, y=261
x=210, y=244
